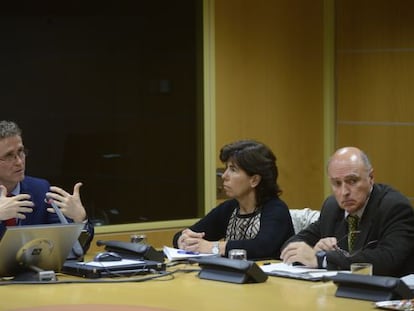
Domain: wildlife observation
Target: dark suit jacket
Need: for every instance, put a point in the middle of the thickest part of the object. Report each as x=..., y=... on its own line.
x=37, y=189
x=387, y=225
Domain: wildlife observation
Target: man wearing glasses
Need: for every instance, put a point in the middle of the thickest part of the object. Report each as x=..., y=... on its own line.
x=361, y=222
x=24, y=200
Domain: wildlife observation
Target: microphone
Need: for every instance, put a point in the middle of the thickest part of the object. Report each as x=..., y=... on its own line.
x=77, y=249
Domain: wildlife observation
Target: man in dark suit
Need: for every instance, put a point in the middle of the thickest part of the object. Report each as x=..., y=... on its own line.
x=24, y=200
x=384, y=235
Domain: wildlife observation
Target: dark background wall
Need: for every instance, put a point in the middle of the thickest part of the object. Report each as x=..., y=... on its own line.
x=108, y=96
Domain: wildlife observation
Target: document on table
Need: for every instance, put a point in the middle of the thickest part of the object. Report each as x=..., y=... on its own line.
x=179, y=254
x=297, y=272
x=111, y=264
x=409, y=280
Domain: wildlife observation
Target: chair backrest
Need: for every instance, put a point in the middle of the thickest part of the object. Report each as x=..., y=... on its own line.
x=302, y=218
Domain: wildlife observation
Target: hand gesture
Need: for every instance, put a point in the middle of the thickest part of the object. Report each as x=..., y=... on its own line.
x=15, y=206
x=70, y=204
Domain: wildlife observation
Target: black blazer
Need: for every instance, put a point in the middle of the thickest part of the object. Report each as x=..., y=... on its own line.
x=386, y=237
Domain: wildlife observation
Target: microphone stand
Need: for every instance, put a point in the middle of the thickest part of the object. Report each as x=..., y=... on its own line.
x=77, y=250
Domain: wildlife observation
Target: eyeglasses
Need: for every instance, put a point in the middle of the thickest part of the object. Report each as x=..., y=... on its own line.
x=346, y=236
x=11, y=157
x=346, y=253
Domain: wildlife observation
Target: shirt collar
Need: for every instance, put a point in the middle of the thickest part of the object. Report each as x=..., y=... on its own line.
x=16, y=190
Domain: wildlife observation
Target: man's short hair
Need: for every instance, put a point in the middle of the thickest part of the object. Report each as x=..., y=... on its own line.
x=9, y=129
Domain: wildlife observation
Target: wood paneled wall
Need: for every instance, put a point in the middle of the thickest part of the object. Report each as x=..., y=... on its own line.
x=269, y=87
x=269, y=65
x=375, y=93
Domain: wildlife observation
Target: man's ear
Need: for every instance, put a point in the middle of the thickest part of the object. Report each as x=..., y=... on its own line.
x=371, y=176
x=255, y=180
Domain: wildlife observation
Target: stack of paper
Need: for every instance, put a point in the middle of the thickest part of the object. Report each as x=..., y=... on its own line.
x=179, y=254
x=297, y=272
x=403, y=305
x=409, y=280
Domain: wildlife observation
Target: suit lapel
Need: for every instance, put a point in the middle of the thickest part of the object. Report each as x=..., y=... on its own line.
x=366, y=223
x=340, y=229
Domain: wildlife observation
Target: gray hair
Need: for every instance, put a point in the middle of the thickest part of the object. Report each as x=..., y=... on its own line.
x=362, y=155
x=9, y=129
x=365, y=160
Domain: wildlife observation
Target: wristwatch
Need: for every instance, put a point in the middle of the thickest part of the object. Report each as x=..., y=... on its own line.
x=321, y=258
x=215, y=249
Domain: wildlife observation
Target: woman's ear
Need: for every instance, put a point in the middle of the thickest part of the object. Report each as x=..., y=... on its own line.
x=255, y=180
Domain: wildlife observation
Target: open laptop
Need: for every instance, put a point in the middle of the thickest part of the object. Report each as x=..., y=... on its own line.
x=43, y=247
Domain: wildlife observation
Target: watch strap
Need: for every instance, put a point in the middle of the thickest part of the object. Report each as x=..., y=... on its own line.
x=321, y=259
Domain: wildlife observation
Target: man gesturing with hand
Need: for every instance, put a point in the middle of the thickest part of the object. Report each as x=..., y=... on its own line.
x=25, y=200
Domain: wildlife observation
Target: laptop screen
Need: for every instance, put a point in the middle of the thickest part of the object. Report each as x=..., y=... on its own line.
x=42, y=246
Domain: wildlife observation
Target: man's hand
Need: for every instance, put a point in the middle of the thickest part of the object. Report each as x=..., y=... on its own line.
x=70, y=204
x=299, y=252
x=15, y=206
x=326, y=244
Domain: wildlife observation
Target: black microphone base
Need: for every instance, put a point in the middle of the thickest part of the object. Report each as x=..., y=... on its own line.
x=35, y=276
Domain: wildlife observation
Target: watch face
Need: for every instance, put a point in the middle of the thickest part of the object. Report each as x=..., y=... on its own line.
x=321, y=253
x=215, y=250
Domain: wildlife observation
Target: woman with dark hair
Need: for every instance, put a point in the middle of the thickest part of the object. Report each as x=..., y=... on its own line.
x=254, y=218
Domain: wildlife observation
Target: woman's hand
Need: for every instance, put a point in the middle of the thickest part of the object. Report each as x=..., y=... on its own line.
x=190, y=240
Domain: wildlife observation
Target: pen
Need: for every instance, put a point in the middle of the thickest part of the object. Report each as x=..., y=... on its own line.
x=187, y=252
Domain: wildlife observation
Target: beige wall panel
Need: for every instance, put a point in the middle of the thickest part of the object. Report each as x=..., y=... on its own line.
x=376, y=86
x=269, y=87
x=375, y=70
x=391, y=150
x=374, y=24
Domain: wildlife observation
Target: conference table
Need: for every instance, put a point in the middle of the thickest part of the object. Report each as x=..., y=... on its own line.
x=183, y=290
